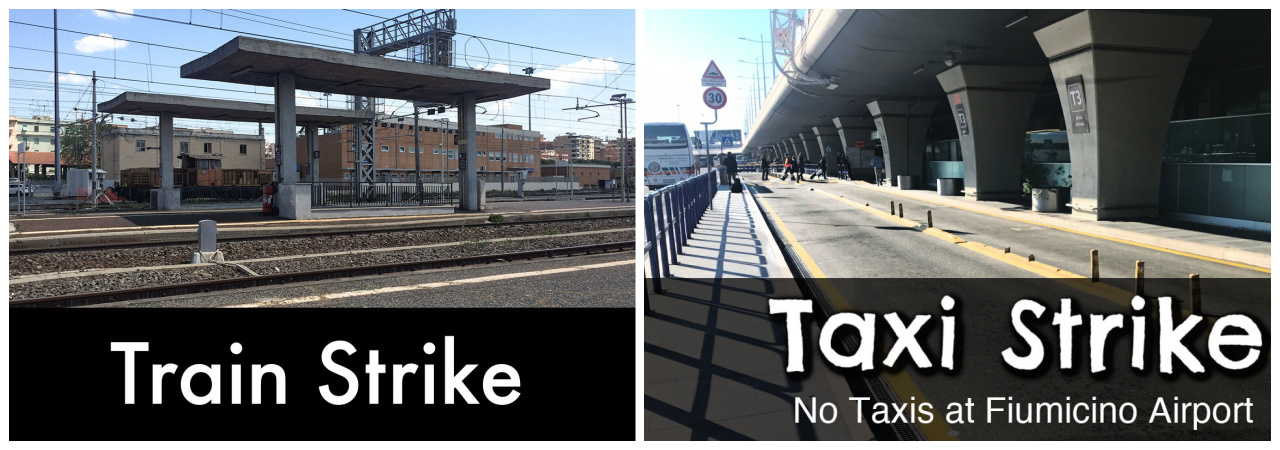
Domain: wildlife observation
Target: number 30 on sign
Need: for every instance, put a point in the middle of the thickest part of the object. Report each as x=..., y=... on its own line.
x=714, y=98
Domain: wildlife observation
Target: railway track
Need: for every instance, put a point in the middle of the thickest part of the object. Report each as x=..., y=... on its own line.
x=95, y=298
x=15, y=248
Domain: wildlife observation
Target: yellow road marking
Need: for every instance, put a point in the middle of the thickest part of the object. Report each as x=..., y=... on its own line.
x=902, y=383
x=1079, y=282
x=1084, y=233
x=903, y=221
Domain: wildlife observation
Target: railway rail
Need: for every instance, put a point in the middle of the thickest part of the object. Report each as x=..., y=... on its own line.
x=95, y=298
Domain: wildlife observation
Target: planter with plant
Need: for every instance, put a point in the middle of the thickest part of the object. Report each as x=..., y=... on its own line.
x=1048, y=184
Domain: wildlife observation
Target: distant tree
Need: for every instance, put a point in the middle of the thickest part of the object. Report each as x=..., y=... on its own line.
x=77, y=144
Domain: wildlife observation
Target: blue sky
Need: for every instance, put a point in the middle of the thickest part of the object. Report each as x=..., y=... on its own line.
x=678, y=45
x=143, y=54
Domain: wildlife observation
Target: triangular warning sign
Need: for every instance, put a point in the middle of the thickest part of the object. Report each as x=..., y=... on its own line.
x=712, y=76
x=712, y=71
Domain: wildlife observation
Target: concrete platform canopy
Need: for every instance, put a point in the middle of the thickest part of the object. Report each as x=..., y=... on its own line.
x=168, y=107
x=145, y=104
x=288, y=67
x=246, y=60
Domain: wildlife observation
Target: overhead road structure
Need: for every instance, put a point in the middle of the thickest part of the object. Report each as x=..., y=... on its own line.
x=169, y=107
x=918, y=73
x=289, y=67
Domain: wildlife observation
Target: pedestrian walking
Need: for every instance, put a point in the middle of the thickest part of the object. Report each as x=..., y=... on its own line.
x=822, y=169
x=877, y=166
x=730, y=165
x=764, y=168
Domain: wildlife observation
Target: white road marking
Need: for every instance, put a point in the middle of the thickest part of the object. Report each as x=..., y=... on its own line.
x=433, y=285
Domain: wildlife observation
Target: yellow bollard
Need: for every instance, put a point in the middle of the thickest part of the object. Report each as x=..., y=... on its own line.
x=1195, y=294
x=1093, y=262
x=1138, y=274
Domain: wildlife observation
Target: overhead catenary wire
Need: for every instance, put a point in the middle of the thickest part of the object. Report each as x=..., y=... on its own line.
x=150, y=76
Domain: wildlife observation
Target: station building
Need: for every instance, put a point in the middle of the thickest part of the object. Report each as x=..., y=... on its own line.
x=130, y=148
x=1127, y=115
x=35, y=131
x=576, y=146
x=587, y=175
x=394, y=152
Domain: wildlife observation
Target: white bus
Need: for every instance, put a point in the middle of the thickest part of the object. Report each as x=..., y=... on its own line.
x=667, y=154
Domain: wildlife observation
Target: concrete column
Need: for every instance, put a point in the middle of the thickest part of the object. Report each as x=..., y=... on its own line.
x=169, y=197
x=903, y=126
x=809, y=145
x=467, y=186
x=851, y=131
x=991, y=106
x=294, y=200
x=1118, y=76
x=313, y=149
x=830, y=145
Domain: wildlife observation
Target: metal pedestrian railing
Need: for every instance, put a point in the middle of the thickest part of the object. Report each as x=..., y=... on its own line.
x=670, y=215
x=344, y=194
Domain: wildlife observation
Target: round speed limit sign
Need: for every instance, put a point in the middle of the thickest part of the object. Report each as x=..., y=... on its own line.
x=714, y=98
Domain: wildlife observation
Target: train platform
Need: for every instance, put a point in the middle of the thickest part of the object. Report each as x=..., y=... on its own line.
x=714, y=357
x=1251, y=247
x=48, y=223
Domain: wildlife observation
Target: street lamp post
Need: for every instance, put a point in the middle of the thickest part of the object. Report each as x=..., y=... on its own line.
x=762, y=55
x=444, y=125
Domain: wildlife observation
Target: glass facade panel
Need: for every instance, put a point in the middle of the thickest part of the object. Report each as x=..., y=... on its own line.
x=1240, y=139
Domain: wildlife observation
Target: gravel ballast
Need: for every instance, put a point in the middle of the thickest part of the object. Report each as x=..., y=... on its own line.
x=142, y=278
x=76, y=260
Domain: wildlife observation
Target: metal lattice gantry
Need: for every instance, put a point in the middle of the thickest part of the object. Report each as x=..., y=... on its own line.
x=785, y=23
x=429, y=38
x=429, y=35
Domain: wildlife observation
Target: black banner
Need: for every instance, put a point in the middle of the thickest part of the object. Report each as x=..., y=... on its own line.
x=575, y=370
x=968, y=359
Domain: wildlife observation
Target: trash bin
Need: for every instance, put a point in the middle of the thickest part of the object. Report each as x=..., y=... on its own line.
x=950, y=186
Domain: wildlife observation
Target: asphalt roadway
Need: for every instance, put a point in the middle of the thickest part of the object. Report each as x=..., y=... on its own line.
x=915, y=269
x=600, y=281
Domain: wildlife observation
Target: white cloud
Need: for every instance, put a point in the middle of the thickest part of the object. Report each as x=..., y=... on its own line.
x=110, y=15
x=71, y=78
x=99, y=43
x=308, y=101
x=589, y=71
x=500, y=67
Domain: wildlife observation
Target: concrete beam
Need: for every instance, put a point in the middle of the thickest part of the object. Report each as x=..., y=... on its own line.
x=467, y=184
x=809, y=145
x=830, y=145
x=313, y=152
x=169, y=197
x=991, y=106
x=145, y=104
x=903, y=126
x=853, y=130
x=1118, y=75
x=294, y=199
x=246, y=60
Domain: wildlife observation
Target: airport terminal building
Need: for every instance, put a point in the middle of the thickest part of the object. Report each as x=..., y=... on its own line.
x=1120, y=115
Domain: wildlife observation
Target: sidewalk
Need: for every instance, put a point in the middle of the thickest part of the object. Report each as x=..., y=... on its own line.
x=714, y=358
x=732, y=241
x=1238, y=246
